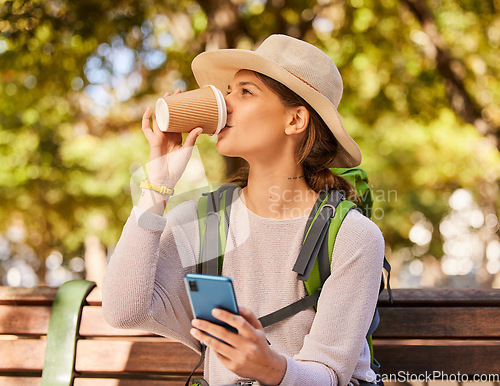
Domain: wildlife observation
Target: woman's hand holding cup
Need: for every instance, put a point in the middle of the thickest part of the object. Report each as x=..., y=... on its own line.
x=168, y=157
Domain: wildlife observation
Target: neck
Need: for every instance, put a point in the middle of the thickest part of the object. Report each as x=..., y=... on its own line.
x=279, y=192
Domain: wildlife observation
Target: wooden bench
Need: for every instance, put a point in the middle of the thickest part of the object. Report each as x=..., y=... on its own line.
x=452, y=331
x=425, y=330
x=104, y=355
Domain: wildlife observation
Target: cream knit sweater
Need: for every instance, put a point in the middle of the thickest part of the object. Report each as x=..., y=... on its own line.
x=143, y=288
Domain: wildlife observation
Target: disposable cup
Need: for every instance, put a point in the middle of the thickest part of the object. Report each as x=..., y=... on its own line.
x=204, y=107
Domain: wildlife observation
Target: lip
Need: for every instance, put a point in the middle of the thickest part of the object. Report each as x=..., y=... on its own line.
x=224, y=129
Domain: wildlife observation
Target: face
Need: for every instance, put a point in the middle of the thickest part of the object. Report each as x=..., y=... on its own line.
x=256, y=120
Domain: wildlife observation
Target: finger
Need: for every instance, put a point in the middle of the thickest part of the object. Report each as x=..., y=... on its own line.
x=223, y=351
x=250, y=317
x=145, y=118
x=218, y=332
x=192, y=136
x=237, y=321
x=178, y=91
x=156, y=129
x=148, y=133
x=166, y=95
x=208, y=331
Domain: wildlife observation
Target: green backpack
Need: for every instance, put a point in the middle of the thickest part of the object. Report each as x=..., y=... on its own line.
x=314, y=260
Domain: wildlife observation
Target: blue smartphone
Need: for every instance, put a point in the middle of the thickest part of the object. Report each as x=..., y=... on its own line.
x=207, y=292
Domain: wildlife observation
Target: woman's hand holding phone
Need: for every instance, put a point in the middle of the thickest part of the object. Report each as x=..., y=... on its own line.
x=246, y=353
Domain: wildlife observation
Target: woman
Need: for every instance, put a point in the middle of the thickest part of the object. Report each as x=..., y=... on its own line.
x=282, y=119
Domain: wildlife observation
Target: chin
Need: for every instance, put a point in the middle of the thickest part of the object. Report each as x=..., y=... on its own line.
x=227, y=153
x=225, y=150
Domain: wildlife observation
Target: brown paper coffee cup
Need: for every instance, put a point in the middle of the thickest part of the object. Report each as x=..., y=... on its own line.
x=204, y=107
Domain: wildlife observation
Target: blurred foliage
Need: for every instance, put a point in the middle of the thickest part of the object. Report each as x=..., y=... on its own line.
x=76, y=77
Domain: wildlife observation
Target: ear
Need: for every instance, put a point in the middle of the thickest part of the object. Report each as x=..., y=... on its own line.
x=297, y=120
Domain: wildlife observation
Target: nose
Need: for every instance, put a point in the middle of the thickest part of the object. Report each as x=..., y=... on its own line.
x=228, y=104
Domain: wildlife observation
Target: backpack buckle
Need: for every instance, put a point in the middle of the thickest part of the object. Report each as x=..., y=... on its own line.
x=329, y=206
x=199, y=382
x=212, y=214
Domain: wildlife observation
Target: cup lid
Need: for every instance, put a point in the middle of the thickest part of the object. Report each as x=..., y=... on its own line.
x=221, y=104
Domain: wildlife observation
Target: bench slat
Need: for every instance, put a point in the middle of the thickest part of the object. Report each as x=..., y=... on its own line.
x=24, y=320
x=93, y=324
x=36, y=381
x=154, y=356
x=405, y=297
x=94, y=298
x=420, y=322
x=20, y=381
x=159, y=355
x=27, y=296
x=471, y=358
x=128, y=382
x=441, y=297
x=22, y=355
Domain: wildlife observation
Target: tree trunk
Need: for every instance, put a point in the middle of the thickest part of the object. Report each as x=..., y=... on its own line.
x=449, y=68
x=95, y=259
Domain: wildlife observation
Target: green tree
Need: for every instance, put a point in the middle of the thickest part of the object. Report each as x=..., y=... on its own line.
x=421, y=97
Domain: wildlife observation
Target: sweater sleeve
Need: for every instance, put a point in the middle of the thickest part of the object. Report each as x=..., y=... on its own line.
x=332, y=349
x=143, y=285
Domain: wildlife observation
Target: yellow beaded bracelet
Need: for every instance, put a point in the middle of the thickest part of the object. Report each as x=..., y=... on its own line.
x=157, y=188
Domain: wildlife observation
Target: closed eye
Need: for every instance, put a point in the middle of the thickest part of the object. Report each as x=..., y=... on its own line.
x=243, y=91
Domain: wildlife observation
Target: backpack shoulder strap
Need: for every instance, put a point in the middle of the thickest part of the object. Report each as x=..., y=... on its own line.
x=313, y=263
x=316, y=232
x=202, y=214
x=321, y=268
x=213, y=221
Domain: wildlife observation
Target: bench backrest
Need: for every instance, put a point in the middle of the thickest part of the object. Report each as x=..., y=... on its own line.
x=453, y=331
x=426, y=330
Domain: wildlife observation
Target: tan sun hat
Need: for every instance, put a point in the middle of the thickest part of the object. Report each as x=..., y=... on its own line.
x=302, y=67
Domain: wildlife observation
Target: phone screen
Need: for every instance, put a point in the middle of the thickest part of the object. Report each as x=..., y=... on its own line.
x=207, y=292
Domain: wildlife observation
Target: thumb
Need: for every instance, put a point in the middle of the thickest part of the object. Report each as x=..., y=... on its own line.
x=192, y=136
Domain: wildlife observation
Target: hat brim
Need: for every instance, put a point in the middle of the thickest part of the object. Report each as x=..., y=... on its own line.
x=218, y=68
